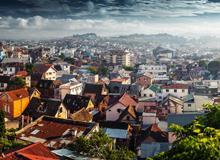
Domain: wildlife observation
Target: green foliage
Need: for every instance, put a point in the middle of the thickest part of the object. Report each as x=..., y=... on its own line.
x=203, y=63
x=213, y=67
x=99, y=145
x=29, y=68
x=6, y=144
x=2, y=124
x=16, y=82
x=128, y=68
x=121, y=153
x=62, y=56
x=198, y=141
x=93, y=70
x=102, y=70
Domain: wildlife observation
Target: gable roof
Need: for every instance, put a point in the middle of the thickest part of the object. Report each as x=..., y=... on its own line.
x=126, y=100
x=36, y=151
x=93, y=88
x=129, y=110
x=38, y=107
x=17, y=94
x=82, y=115
x=75, y=102
x=42, y=68
x=55, y=132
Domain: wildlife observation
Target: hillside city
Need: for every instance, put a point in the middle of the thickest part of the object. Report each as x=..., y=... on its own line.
x=93, y=97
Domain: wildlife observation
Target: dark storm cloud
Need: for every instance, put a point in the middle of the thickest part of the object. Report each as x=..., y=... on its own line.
x=54, y=18
x=101, y=8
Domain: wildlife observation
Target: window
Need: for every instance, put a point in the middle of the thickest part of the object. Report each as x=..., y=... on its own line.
x=128, y=118
x=118, y=110
x=145, y=95
x=175, y=90
x=189, y=105
x=151, y=95
x=183, y=90
x=167, y=90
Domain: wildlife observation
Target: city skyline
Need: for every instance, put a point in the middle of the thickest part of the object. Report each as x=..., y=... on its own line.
x=25, y=19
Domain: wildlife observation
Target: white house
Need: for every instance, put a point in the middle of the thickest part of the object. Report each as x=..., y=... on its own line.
x=74, y=88
x=153, y=91
x=179, y=90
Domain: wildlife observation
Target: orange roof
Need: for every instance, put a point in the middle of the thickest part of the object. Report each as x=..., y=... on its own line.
x=22, y=73
x=36, y=151
x=154, y=128
x=18, y=93
x=126, y=100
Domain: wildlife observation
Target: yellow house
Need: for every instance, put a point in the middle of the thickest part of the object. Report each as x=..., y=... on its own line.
x=14, y=102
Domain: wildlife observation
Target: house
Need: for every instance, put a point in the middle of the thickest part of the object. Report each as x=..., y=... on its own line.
x=48, y=88
x=194, y=103
x=74, y=103
x=46, y=71
x=129, y=115
x=205, y=90
x=14, y=102
x=32, y=152
x=73, y=87
x=39, y=107
x=95, y=91
x=149, y=118
x=173, y=104
x=120, y=132
x=144, y=80
x=153, y=91
x=55, y=132
x=147, y=105
x=152, y=141
x=178, y=89
x=114, y=111
x=4, y=82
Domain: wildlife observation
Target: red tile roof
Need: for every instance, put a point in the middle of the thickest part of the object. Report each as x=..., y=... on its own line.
x=175, y=86
x=126, y=100
x=18, y=94
x=36, y=151
x=22, y=73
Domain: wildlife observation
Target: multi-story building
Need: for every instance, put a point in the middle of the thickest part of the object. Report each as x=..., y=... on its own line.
x=119, y=57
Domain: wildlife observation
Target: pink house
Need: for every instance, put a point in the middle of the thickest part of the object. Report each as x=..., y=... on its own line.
x=114, y=111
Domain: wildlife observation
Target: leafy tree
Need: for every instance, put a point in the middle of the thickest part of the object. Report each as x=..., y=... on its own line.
x=203, y=63
x=103, y=70
x=16, y=82
x=93, y=70
x=29, y=68
x=2, y=124
x=213, y=67
x=128, y=68
x=62, y=56
x=199, y=140
x=100, y=145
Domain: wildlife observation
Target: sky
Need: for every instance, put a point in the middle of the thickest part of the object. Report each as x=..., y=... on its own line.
x=45, y=19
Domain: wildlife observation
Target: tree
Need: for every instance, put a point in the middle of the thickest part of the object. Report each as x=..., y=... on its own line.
x=213, y=67
x=203, y=63
x=128, y=68
x=93, y=70
x=29, y=68
x=100, y=145
x=199, y=140
x=103, y=70
x=16, y=82
x=2, y=124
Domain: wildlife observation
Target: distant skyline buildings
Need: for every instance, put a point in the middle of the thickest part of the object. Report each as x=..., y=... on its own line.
x=45, y=19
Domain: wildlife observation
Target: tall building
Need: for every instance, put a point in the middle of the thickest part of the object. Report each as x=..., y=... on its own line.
x=119, y=57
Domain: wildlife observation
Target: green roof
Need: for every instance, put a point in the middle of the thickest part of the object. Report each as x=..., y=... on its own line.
x=155, y=88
